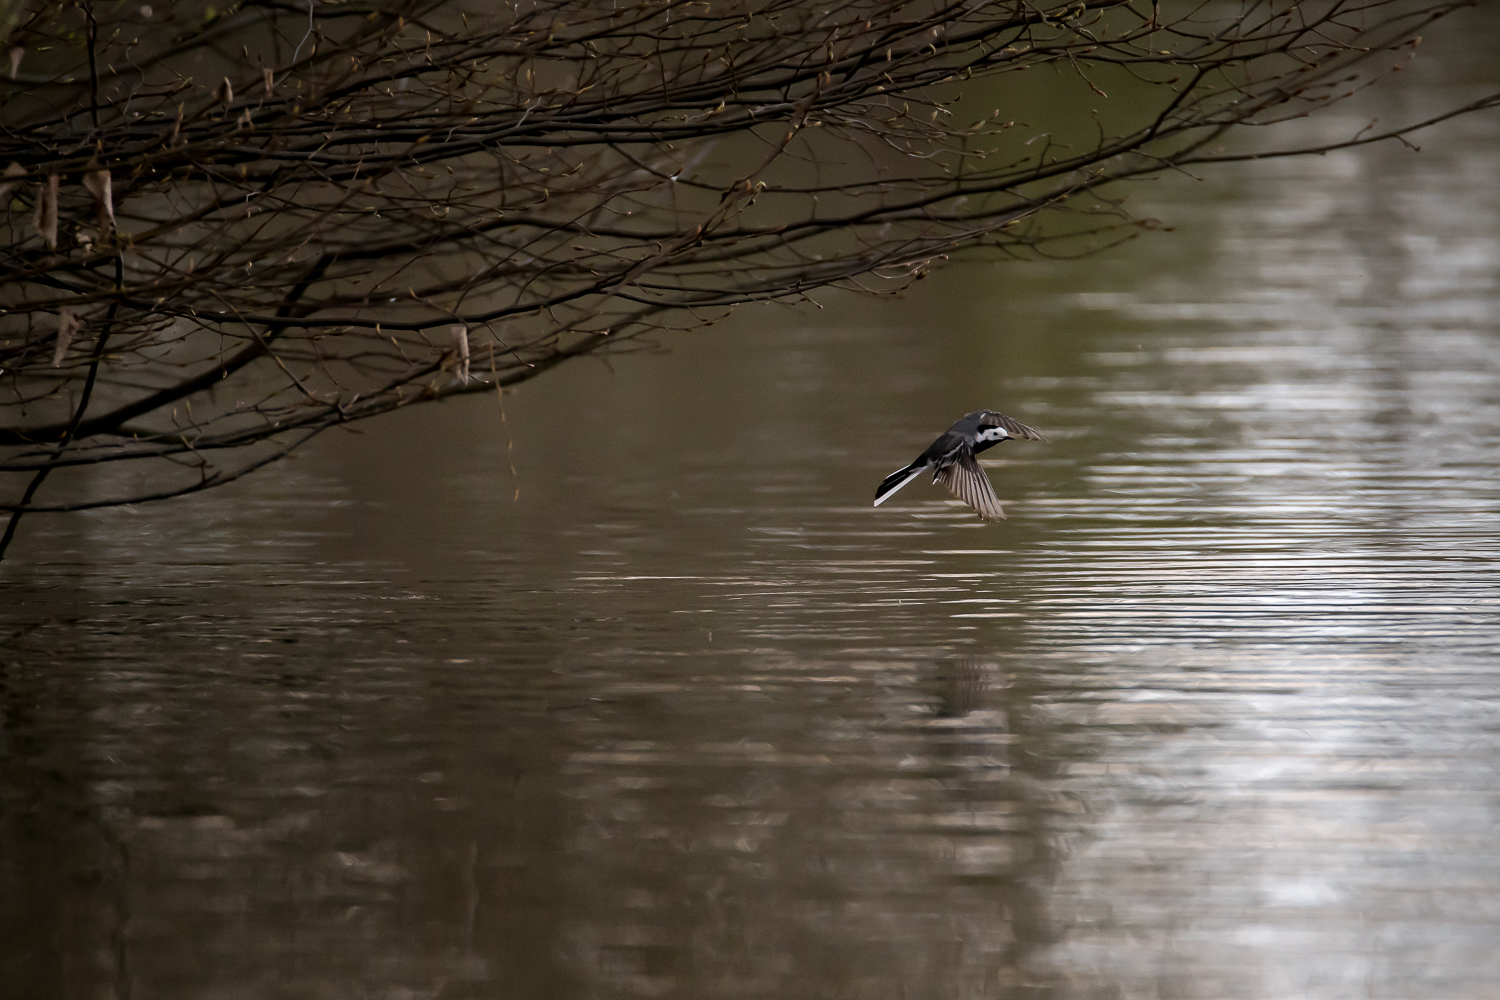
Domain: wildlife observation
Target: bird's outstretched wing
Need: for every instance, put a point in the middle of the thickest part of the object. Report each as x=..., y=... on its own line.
x=967, y=481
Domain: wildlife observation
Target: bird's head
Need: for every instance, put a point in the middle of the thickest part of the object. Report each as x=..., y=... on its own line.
x=990, y=434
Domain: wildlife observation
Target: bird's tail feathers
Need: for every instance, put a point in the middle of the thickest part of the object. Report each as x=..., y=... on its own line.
x=896, y=480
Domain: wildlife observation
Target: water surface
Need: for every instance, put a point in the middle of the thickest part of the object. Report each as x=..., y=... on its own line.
x=1213, y=714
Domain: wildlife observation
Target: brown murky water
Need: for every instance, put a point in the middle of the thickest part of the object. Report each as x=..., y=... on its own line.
x=1213, y=715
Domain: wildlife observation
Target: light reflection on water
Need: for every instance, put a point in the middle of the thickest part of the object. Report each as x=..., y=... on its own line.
x=1211, y=715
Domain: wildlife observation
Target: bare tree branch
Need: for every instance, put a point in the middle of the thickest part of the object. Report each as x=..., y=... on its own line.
x=272, y=215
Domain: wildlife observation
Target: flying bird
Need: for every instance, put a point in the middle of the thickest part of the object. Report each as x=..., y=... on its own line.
x=951, y=459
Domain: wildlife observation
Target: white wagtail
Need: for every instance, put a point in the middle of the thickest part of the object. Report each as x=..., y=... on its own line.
x=951, y=458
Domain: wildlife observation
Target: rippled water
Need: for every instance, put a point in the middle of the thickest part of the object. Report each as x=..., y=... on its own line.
x=1212, y=715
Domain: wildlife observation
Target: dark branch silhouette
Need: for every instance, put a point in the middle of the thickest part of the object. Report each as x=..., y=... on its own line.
x=229, y=230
